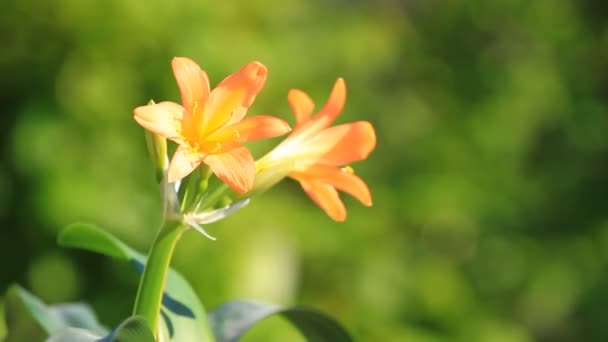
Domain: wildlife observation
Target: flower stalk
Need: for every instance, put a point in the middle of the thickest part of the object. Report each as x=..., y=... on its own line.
x=152, y=283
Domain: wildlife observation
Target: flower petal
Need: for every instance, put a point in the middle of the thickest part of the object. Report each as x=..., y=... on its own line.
x=356, y=144
x=311, y=146
x=184, y=161
x=199, y=228
x=208, y=217
x=162, y=118
x=250, y=78
x=301, y=105
x=334, y=105
x=253, y=128
x=340, y=179
x=229, y=101
x=326, y=197
x=235, y=167
x=193, y=82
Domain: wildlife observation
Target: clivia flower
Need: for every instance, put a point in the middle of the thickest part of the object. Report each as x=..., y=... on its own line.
x=209, y=126
x=317, y=156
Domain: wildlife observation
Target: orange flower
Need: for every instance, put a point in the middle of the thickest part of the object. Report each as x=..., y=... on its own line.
x=209, y=125
x=314, y=153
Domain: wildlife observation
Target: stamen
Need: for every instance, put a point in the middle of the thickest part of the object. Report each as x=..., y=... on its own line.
x=348, y=169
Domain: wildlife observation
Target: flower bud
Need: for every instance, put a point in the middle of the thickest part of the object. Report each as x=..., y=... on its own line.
x=157, y=148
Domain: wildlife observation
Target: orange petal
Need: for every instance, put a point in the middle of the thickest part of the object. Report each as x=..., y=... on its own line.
x=193, y=82
x=235, y=167
x=250, y=78
x=252, y=128
x=313, y=145
x=301, y=105
x=340, y=179
x=355, y=145
x=183, y=162
x=334, y=104
x=162, y=118
x=229, y=101
x=326, y=197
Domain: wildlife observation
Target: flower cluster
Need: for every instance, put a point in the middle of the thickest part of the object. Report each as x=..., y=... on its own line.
x=210, y=129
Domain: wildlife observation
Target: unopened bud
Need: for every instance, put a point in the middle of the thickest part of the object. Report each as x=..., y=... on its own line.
x=205, y=172
x=157, y=148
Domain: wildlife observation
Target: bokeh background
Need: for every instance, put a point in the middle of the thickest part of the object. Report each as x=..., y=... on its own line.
x=490, y=178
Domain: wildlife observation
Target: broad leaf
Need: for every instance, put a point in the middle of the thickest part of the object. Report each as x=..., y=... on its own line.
x=133, y=329
x=182, y=313
x=233, y=319
x=29, y=319
x=78, y=315
x=74, y=335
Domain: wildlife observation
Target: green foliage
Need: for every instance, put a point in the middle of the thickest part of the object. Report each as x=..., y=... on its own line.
x=232, y=320
x=132, y=329
x=183, y=314
x=29, y=319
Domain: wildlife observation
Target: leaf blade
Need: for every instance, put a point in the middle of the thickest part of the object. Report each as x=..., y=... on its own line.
x=132, y=329
x=233, y=319
x=29, y=319
x=90, y=237
x=185, y=318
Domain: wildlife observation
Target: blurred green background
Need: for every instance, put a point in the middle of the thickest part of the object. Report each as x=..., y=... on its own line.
x=490, y=178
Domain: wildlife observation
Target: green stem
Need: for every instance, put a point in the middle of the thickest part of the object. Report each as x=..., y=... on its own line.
x=152, y=282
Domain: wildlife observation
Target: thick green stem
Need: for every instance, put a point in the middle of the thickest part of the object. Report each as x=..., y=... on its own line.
x=152, y=282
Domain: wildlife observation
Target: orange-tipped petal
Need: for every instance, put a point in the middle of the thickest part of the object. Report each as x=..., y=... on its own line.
x=358, y=142
x=252, y=128
x=229, y=101
x=326, y=197
x=301, y=105
x=340, y=179
x=335, y=103
x=162, y=118
x=193, y=82
x=250, y=78
x=183, y=162
x=235, y=167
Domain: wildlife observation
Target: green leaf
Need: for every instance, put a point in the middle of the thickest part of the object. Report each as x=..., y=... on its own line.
x=233, y=319
x=74, y=335
x=133, y=329
x=182, y=313
x=78, y=315
x=29, y=319
x=89, y=237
